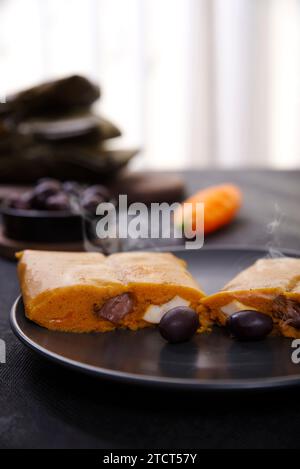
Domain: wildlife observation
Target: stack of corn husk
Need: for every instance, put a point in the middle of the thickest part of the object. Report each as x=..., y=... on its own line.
x=51, y=130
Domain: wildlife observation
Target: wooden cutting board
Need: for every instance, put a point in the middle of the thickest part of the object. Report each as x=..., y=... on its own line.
x=8, y=247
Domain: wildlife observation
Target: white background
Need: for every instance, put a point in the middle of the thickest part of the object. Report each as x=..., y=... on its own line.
x=191, y=82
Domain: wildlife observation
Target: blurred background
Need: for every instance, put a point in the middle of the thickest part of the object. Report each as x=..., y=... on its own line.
x=205, y=83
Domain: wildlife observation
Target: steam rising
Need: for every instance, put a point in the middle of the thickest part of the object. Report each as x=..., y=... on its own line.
x=90, y=241
x=273, y=229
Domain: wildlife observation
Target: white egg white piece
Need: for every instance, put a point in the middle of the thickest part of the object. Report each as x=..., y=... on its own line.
x=154, y=313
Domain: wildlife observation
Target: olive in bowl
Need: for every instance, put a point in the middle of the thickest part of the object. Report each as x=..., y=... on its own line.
x=93, y=196
x=45, y=214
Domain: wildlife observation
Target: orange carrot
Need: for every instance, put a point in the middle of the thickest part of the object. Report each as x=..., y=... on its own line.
x=221, y=203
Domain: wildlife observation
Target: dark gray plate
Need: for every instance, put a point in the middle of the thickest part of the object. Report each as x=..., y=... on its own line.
x=211, y=361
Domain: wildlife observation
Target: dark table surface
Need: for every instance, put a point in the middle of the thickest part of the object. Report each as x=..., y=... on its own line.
x=43, y=405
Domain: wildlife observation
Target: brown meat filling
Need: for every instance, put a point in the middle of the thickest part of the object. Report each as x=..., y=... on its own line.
x=115, y=309
x=287, y=310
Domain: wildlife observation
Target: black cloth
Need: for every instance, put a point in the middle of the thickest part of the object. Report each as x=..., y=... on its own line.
x=45, y=406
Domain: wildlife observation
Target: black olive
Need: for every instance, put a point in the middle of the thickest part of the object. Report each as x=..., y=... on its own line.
x=99, y=191
x=250, y=325
x=90, y=202
x=71, y=187
x=58, y=202
x=179, y=324
x=43, y=191
x=22, y=201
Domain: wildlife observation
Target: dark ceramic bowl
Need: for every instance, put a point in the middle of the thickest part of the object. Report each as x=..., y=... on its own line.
x=41, y=226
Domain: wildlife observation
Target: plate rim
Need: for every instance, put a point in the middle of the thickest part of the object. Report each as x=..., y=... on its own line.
x=256, y=384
